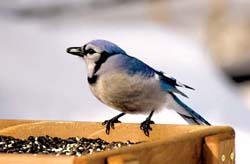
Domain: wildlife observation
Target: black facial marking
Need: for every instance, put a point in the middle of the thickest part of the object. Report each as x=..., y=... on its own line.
x=90, y=51
x=103, y=58
x=84, y=49
x=92, y=80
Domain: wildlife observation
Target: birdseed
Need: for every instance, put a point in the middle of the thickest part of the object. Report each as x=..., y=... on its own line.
x=54, y=145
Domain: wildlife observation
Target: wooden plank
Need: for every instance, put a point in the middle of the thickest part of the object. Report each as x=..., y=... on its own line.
x=176, y=150
x=219, y=149
x=9, y=123
x=65, y=129
x=123, y=159
x=35, y=159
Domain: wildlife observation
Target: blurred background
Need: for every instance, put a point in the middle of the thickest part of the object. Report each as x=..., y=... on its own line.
x=205, y=44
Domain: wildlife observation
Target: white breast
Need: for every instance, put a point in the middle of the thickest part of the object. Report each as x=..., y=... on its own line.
x=130, y=94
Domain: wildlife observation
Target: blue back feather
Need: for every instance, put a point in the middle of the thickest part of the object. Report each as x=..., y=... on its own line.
x=135, y=66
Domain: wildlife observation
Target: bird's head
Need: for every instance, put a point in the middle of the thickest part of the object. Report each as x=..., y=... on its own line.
x=95, y=53
x=94, y=50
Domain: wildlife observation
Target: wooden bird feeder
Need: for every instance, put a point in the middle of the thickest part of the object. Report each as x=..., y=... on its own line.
x=175, y=144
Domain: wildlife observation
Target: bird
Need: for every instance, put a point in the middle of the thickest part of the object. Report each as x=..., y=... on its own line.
x=130, y=86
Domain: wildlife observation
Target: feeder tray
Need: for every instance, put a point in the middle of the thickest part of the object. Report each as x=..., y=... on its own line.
x=175, y=144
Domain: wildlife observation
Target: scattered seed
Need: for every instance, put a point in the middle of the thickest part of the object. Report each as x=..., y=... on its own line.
x=58, y=146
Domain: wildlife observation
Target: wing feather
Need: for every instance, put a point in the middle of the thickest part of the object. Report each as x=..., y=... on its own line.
x=134, y=66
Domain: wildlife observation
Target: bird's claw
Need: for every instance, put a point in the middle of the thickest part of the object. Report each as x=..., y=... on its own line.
x=145, y=126
x=110, y=124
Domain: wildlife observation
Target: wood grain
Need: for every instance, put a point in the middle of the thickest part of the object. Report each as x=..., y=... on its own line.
x=123, y=159
x=219, y=149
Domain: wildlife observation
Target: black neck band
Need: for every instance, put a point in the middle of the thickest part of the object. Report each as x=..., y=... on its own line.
x=103, y=58
x=92, y=80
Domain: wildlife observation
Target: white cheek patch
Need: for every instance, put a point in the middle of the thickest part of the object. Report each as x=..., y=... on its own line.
x=91, y=68
x=91, y=60
x=95, y=57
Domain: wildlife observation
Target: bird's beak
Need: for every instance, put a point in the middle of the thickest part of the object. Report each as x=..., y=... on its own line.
x=75, y=51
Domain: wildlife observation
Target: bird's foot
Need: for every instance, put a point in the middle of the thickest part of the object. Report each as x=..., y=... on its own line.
x=111, y=123
x=145, y=126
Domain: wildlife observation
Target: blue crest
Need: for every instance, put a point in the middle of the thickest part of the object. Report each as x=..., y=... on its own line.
x=107, y=46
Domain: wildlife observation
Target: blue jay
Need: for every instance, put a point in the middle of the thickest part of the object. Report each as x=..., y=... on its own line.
x=131, y=86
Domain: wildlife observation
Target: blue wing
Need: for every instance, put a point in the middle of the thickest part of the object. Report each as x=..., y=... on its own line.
x=135, y=66
x=170, y=84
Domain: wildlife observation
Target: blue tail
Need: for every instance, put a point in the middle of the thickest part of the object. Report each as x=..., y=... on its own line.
x=188, y=114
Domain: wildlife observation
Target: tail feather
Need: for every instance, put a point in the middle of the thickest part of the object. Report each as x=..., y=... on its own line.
x=190, y=119
x=187, y=113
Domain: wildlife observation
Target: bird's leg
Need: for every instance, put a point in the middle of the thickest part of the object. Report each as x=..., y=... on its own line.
x=111, y=123
x=145, y=125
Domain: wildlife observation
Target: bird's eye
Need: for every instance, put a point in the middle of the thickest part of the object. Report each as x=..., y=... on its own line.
x=91, y=51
